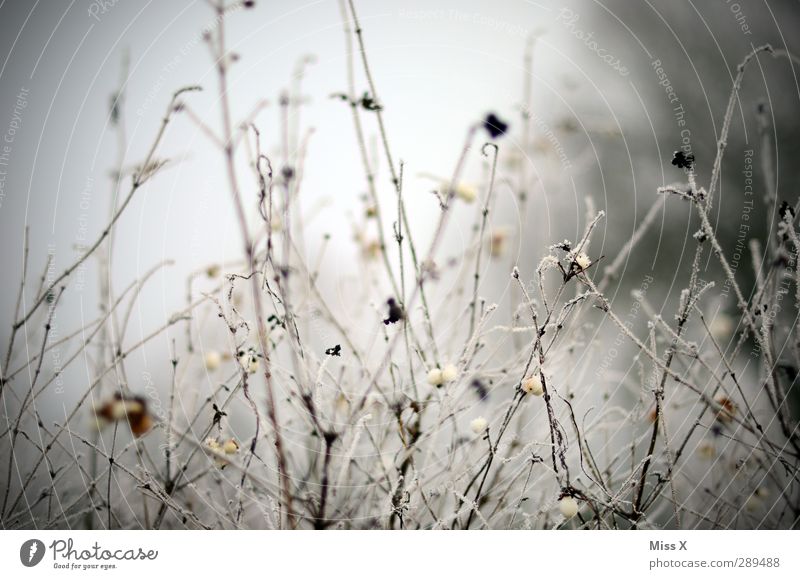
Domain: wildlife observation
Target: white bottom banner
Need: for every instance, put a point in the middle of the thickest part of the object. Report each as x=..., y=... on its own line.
x=473, y=554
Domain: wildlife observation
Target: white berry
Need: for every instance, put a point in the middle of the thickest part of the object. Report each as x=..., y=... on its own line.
x=568, y=507
x=533, y=385
x=213, y=360
x=230, y=446
x=479, y=425
x=449, y=373
x=435, y=377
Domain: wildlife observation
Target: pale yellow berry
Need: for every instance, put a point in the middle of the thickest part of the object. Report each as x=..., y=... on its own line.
x=449, y=373
x=435, y=377
x=479, y=425
x=213, y=360
x=466, y=192
x=533, y=385
x=568, y=507
x=230, y=446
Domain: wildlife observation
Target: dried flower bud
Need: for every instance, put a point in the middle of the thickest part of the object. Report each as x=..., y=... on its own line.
x=498, y=241
x=371, y=249
x=230, y=446
x=706, y=451
x=123, y=408
x=495, y=126
x=214, y=445
x=728, y=410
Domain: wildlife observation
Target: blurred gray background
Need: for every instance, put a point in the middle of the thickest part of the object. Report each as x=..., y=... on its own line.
x=602, y=131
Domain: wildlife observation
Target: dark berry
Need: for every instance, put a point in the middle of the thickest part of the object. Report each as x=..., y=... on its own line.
x=495, y=126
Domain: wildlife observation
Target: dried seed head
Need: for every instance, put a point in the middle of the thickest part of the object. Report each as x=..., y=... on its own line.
x=132, y=409
x=371, y=249
x=498, y=241
x=706, y=451
x=582, y=260
x=495, y=126
x=249, y=361
x=728, y=410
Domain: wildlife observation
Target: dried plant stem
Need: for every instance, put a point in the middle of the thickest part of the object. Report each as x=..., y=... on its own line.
x=272, y=412
x=141, y=176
